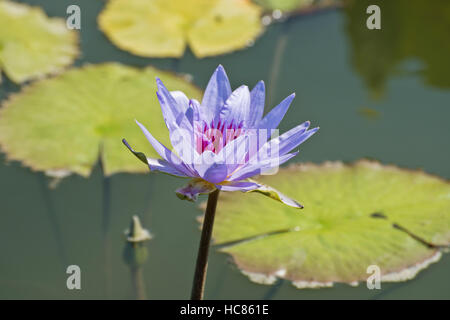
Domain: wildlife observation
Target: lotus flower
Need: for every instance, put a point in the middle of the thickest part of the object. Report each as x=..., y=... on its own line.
x=223, y=141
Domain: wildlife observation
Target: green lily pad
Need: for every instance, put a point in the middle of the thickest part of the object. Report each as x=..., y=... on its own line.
x=283, y=5
x=355, y=216
x=295, y=5
x=64, y=123
x=161, y=28
x=31, y=44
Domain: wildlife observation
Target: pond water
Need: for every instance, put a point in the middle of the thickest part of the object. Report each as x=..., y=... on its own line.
x=375, y=94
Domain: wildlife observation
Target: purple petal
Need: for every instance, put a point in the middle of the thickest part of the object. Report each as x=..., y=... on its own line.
x=274, y=117
x=238, y=186
x=165, y=153
x=216, y=173
x=184, y=146
x=234, y=153
x=169, y=106
x=164, y=167
x=155, y=164
x=189, y=114
x=262, y=167
x=195, y=105
x=202, y=162
x=237, y=106
x=167, y=113
x=174, y=106
x=257, y=100
x=183, y=122
x=217, y=92
x=194, y=188
x=287, y=141
x=181, y=99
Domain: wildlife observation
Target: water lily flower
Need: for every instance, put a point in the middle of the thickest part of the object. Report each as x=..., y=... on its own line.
x=223, y=141
x=220, y=144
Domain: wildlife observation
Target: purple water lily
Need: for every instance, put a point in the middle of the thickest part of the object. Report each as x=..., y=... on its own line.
x=223, y=141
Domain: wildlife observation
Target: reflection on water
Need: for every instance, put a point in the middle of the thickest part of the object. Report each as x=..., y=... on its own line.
x=414, y=38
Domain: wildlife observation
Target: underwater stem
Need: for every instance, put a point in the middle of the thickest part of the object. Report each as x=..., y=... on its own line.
x=53, y=218
x=106, y=218
x=198, y=285
x=138, y=283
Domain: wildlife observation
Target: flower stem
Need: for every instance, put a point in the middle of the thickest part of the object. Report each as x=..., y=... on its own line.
x=106, y=218
x=138, y=283
x=198, y=285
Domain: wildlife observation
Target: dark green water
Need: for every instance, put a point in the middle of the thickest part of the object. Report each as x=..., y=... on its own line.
x=337, y=68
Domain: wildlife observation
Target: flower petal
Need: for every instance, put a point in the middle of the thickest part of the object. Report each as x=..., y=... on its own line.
x=184, y=146
x=202, y=162
x=234, y=153
x=174, y=106
x=243, y=186
x=155, y=164
x=290, y=142
x=276, y=195
x=274, y=117
x=237, y=106
x=287, y=141
x=216, y=173
x=257, y=100
x=165, y=153
x=195, y=187
x=183, y=121
x=181, y=99
x=169, y=105
x=216, y=93
x=262, y=167
x=195, y=105
x=210, y=167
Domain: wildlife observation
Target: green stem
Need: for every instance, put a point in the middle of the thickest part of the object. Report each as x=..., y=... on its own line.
x=201, y=267
x=138, y=283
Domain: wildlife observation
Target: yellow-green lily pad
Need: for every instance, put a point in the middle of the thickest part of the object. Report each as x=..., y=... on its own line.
x=161, y=28
x=31, y=44
x=355, y=216
x=65, y=123
x=296, y=5
x=283, y=5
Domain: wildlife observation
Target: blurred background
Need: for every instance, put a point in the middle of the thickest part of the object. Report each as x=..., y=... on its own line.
x=380, y=94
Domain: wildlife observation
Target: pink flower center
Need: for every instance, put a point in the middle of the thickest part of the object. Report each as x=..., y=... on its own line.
x=214, y=136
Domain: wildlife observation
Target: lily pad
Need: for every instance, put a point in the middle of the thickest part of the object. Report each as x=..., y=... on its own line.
x=296, y=5
x=355, y=216
x=31, y=44
x=64, y=123
x=161, y=28
x=283, y=5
